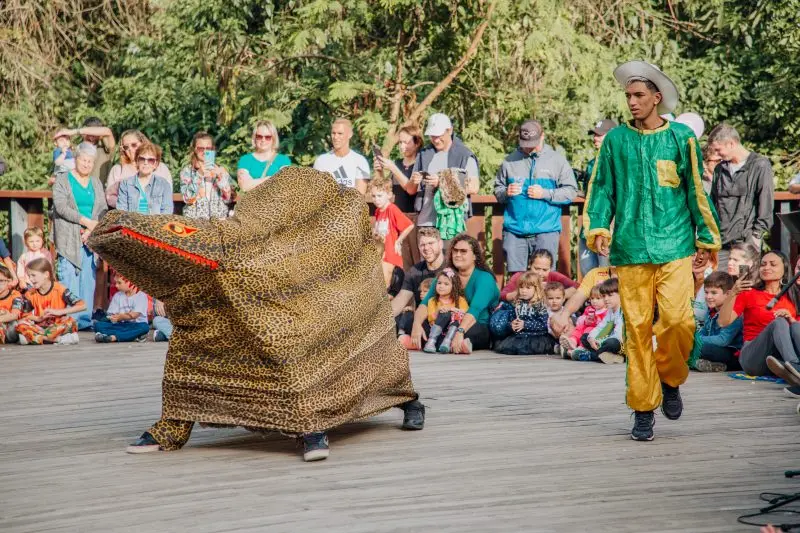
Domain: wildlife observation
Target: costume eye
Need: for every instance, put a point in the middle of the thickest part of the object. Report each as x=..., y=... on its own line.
x=179, y=229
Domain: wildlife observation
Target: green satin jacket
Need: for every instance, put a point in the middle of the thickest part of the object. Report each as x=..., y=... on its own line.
x=649, y=183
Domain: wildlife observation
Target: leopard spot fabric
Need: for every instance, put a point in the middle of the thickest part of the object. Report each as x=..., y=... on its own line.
x=280, y=314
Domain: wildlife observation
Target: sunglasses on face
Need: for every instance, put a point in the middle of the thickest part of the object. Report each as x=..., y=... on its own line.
x=132, y=146
x=148, y=160
x=203, y=148
x=263, y=137
x=461, y=251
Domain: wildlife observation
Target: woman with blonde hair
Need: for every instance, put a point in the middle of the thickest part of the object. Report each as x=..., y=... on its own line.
x=129, y=142
x=205, y=186
x=265, y=160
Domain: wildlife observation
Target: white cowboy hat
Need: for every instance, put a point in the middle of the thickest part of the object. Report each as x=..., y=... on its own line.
x=643, y=69
x=694, y=121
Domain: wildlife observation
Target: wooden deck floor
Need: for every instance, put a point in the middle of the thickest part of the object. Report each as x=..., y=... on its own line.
x=511, y=444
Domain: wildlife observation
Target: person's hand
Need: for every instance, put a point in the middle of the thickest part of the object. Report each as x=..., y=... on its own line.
x=593, y=343
x=398, y=246
x=769, y=528
x=432, y=180
x=417, y=336
x=559, y=323
x=457, y=343
x=416, y=178
x=783, y=313
x=52, y=313
x=601, y=245
x=408, y=308
x=113, y=318
x=536, y=192
x=511, y=296
x=51, y=180
x=517, y=325
x=513, y=190
x=159, y=308
x=741, y=285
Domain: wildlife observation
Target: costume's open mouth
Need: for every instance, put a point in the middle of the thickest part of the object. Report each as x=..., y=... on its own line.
x=155, y=243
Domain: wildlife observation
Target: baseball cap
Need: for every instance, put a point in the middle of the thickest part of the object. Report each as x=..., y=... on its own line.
x=438, y=123
x=530, y=133
x=603, y=127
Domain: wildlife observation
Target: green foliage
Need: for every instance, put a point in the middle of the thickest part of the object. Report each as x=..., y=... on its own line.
x=173, y=68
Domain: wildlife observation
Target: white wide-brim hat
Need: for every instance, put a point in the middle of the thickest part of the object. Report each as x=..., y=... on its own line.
x=643, y=69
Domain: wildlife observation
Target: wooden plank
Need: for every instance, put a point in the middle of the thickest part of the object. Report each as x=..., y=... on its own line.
x=511, y=444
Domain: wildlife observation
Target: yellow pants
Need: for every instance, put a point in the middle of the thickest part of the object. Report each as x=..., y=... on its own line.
x=671, y=285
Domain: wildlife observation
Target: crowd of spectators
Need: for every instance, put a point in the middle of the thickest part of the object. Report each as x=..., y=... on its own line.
x=449, y=301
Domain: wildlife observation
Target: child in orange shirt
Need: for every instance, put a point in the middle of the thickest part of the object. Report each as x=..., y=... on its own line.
x=445, y=311
x=49, y=304
x=11, y=306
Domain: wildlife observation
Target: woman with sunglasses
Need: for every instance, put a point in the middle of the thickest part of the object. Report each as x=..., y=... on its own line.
x=205, y=186
x=265, y=160
x=130, y=141
x=146, y=192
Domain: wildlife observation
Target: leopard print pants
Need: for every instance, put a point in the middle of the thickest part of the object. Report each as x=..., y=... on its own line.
x=171, y=434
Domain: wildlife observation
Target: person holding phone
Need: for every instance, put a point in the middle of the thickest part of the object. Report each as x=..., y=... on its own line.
x=205, y=186
x=264, y=161
x=409, y=143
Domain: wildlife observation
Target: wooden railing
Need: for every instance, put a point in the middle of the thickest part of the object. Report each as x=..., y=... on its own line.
x=26, y=208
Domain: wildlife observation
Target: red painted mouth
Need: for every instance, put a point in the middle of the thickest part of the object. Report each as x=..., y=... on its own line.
x=155, y=243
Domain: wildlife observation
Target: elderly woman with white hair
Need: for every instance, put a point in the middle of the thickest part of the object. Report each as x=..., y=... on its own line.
x=78, y=203
x=264, y=161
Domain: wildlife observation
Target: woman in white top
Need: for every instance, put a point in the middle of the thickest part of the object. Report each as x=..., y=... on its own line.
x=130, y=141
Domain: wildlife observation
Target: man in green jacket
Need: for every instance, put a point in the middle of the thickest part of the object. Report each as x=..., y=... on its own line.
x=647, y=179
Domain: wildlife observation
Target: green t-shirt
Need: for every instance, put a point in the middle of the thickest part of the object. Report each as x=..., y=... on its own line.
x=84, y=196
x=481, y=293
x=255, y=167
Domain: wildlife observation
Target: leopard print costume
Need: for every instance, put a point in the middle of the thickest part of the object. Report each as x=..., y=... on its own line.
x=280, y=314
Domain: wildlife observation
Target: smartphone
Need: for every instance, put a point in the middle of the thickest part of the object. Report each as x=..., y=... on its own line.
x=743, y=271
x=376, y=151
x=209, y=159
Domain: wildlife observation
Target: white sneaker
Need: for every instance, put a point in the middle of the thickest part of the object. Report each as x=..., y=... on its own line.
x=68, y=338
x=610, y=358
x=23, y=340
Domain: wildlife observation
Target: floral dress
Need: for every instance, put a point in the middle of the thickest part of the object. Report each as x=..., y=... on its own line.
x=205, y=199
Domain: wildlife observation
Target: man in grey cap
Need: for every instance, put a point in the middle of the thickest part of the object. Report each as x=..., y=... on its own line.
x=445, y=151
x=533, y=182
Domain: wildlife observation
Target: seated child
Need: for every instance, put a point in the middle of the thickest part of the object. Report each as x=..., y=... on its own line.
x=405, y=320
x=11, y=306
x=592, y=315
x=48, y=304
x=716, y=348
x=161, y=324
x=126, y=318
x=34, y=249
x=391, y=228
x=63, y=159
x=445, y=310
x=555, y=295
x=520, y=327
x=604, y=342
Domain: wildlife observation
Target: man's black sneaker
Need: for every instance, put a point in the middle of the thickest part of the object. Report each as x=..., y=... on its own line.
x=671, y=404
x=643, y=426
x=415, y=415
x=792, y=392
x=315, y=446
x=144, y=444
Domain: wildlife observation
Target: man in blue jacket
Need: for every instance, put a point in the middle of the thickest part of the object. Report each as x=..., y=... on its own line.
x=533, y=182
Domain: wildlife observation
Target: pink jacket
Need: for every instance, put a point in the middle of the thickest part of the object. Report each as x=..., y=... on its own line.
x=584, y=325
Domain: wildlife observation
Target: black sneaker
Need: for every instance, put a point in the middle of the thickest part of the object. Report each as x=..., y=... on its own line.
x=415, y=415
x=643, y=426
x=315, y=446
x=671, y=405
x=144, y=444
x=792, y=392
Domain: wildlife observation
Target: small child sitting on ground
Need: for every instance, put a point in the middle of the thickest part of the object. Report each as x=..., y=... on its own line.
x=49, y=305
x=592, y=315
x=391, y=228
x=126, y=318
x=63, y=159
x=445, y=311
x=555, y=295
x=604, y=342
x=520, y=327
x=11, y=306
x=406, y=318
x=716, y=347
x=34, y=249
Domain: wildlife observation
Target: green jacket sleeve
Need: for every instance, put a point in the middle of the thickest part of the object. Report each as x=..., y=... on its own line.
x=703, y=213
x=600, y=204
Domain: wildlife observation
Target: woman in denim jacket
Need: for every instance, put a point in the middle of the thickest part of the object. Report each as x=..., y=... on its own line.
x=145, y=192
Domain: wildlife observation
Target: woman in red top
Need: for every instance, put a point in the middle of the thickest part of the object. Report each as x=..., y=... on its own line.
x=541, y=263
x=773, y=334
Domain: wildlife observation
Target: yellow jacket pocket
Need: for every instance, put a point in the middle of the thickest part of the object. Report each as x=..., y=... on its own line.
x=667, y=173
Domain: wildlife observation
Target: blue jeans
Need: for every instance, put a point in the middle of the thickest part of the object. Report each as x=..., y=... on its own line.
x=124, y=331
x=80, y=282
x=587, y=259
x=162, y=324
